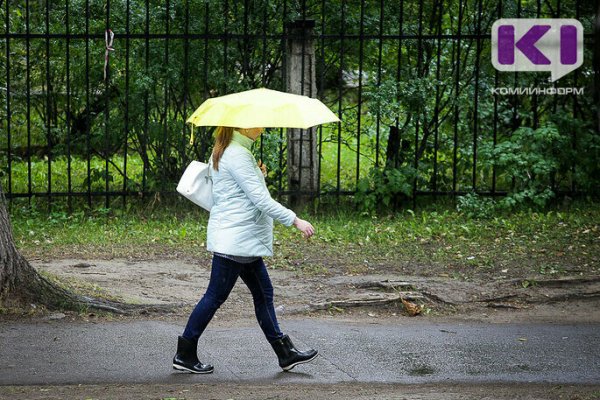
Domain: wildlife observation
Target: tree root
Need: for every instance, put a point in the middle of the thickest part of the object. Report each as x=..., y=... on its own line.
x=370, y=300
x=32, y=288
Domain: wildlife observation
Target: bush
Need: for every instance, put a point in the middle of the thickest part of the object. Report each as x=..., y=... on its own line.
x=536, y=163
x=384, y=187
x=475, y=206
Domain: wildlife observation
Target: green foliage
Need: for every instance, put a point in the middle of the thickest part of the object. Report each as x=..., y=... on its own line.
x=391, y=99
x=267, y=149
x=384, y=188
x=475, y=206
x=530, y=158
x=579, y=158
x=536, y=159
x=535, y=163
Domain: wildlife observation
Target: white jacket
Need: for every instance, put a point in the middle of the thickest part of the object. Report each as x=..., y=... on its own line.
x=241, y=219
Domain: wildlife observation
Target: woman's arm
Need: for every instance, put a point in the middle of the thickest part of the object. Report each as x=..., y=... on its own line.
x=253, y=186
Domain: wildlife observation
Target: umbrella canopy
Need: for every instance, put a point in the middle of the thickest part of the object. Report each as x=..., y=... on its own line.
x=262, y=108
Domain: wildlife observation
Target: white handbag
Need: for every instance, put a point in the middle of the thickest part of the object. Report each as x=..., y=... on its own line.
x=196, y=184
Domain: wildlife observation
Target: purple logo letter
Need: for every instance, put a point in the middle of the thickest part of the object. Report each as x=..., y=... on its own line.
x=554, y=45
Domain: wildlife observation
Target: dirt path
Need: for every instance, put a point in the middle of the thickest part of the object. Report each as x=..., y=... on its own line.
x=182, y=281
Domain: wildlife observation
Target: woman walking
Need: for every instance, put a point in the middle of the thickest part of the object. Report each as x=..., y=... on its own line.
x=240, y=233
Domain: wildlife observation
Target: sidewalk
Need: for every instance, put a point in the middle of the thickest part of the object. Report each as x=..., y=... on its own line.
x=62, y=352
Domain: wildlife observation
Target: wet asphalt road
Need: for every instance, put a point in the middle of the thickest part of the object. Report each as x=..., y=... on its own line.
x=61, y=352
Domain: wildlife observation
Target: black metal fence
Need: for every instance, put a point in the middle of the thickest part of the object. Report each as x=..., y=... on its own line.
x=90, y=116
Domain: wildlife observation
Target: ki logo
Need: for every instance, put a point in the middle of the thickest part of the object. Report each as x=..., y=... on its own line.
x=554, y=45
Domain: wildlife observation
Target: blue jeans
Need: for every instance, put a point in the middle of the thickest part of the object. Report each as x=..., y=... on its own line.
x=223, y=276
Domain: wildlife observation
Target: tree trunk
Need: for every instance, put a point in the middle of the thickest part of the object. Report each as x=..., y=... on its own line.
x=19, y=282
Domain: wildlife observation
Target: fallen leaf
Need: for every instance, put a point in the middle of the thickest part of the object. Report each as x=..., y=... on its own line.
x=411, y=308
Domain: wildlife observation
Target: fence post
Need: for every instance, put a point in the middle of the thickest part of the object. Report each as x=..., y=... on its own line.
x=596, y=64
x=302, y=155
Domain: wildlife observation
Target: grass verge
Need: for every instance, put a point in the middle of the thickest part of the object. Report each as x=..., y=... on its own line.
x=430, y=242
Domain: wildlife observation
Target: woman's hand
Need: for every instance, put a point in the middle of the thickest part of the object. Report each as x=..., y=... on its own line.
x=305, y=227
x=262, y=167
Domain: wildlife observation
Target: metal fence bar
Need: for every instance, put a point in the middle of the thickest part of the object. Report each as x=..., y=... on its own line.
x=225, y=46
x=206, y=30
x=251, y=36
x=144, y=144
x=534, y=100
x=238, y=36
x=353, y=61
x=8, y=110
x=164, y=155
x=264, y=68
x=126, y=112
x=495, y=122
x=437, y=98
x=87, y=105
x=320, y=90
x=555, y=102
x=205, y=66
x=399, y=63
x=421, y=113
x=48, y=109
x=28, y=99
x=420, y=73
x=283, y=46
x=68, y=119
x=574, y=137
x=457, y=90
x=333, y=193
x=361, y=55
x=302, y=83
x=476, y=95
x=379, y=58
x=340, y=114
x=515, y=117
x=186, y=56
x=107, y=90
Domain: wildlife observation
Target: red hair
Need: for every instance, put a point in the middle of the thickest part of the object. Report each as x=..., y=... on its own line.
x=222, y=140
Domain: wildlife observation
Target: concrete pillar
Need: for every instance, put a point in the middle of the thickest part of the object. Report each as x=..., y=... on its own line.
x=302, y=155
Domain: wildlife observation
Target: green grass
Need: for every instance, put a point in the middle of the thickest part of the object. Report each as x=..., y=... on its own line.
x=347, y=157
x=78, y=174
x=21, y=177
x=110, y=233
x=431, y=242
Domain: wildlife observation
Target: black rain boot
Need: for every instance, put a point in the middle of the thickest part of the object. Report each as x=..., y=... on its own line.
x=289, y=356
x=186, y=358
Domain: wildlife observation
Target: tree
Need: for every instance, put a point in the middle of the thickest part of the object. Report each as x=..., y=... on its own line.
x=19, y=281
x=21, y=284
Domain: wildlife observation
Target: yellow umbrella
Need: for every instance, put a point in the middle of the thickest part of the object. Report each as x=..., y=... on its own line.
x=262, y=108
